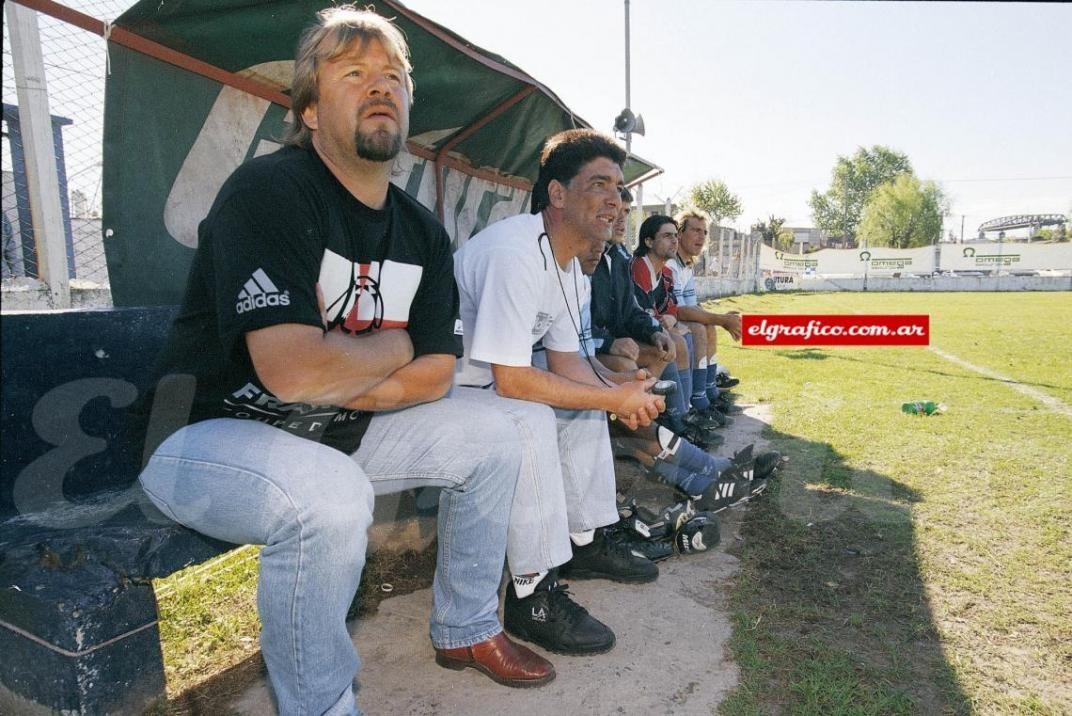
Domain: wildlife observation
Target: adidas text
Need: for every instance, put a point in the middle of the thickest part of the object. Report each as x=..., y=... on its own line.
x=254, y=302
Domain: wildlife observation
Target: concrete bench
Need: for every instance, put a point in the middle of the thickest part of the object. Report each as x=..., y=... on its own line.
x=79, y=542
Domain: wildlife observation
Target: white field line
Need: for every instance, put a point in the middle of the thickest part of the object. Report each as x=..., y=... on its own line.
x=1049, y=401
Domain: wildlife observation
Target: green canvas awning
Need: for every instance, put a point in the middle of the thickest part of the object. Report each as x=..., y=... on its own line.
x=204, y=88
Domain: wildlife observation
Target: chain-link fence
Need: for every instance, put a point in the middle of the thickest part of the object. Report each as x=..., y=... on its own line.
x=75, y=64
x=729, y=255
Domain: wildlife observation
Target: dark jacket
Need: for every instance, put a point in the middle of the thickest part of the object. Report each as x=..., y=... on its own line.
x=615, y=311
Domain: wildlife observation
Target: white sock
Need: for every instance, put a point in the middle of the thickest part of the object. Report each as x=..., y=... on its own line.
x=526, y=585
x=582, y=538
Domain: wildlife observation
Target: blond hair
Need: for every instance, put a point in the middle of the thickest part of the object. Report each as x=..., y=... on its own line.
x=336, y=30
x=684, y=216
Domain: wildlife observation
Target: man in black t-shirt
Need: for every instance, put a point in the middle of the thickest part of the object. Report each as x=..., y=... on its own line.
x=320, y=328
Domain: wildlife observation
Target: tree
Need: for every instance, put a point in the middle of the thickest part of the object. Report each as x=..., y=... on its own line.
x=772, y=232
x=784, y=239
x=903, y=213
x=716, y=200
x=838, y=211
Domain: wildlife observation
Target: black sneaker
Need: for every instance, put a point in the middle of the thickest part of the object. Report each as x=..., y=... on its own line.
x=763, y=470
x=702, y=419
x=699, y=534
x=655, y=550
x=730, y=487
x=705, y=440
x=765, y=464
x=725, y=380
x=551, y=619
x=605, y=559
x=725, y=404
x=717, y=416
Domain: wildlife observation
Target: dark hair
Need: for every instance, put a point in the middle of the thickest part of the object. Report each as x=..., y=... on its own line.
x=648, y=229
x=565, y=153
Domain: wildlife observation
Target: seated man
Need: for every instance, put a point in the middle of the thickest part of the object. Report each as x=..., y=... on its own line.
x=654, y=290
x=713, y=482
x=692, y=234
x=519, y=283
x=625, y=337
x=301, y=412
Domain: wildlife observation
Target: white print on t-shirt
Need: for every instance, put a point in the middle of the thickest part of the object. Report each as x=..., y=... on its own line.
x=251, y=403
x=367, y=295
x=543, y=322
x=258, y=292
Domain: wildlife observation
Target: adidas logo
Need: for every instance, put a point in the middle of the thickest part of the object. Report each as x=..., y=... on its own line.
x=258, y=292
x=539, y=615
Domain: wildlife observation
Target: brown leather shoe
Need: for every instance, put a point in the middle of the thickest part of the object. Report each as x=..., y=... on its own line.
x=502, y=660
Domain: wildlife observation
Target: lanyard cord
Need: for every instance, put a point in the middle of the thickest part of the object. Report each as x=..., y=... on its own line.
x=577, y=295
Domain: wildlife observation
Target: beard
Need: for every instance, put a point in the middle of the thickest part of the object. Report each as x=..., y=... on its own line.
x=379, y=145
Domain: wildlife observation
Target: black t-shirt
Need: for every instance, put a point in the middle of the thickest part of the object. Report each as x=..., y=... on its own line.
x=281, y=225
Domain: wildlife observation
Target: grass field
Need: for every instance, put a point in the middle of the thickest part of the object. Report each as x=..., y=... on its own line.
x=904, y=564
x=900, y=565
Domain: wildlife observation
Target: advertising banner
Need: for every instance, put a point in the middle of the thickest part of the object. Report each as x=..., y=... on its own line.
x=1006, y=256
x=850, y=262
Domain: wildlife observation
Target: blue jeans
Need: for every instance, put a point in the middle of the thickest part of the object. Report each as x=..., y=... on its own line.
x=311, y=506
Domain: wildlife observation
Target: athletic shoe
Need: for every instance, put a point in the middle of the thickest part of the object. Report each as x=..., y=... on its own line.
x=551, y=619
x=663, y=524
x=763, y=470
x=731, y=486
x=699, y=534
x=655, y=550
x=724, y=380
x=701, y=438
x=725, y=404
x=717, y=416
x=765, y=464
x=605, y=559
x=702, y=420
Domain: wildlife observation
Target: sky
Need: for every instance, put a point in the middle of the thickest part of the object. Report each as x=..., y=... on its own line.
x=762, y=95
x=767, y=95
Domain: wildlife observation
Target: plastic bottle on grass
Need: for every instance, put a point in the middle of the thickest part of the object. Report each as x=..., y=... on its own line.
x=922, y=407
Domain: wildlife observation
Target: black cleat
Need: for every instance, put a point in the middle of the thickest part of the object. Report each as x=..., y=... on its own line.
x=606, y=559
x=655, y=550
x=725, y=404
x=717, y=416
x=725, y=380
x=763, y=470
x=551, y=619
x=704, y=439
x=733, y=485
x=702, y=420
x=765, y=464
x=699, y=534
x=730, y=487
